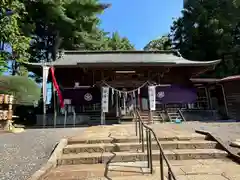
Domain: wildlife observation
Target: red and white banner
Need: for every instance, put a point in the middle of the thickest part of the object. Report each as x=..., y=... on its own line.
x=55, y=84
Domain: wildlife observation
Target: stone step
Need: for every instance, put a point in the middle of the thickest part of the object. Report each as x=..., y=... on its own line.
x=118, y=147
x=208, y=169
x=105, y=157
x=86, y=171
x=154, y=118
x=125, y=139
x=139, y=177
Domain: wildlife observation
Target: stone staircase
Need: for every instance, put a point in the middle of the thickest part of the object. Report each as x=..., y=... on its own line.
x=174, y=115
x=119, y=158
x=95, y=118
x=156, y=116
x=129, y=150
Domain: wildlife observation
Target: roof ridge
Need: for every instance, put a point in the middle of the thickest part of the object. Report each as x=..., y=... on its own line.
x=119, y=52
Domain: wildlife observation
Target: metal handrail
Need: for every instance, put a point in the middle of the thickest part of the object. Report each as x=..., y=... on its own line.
x=139, y=125
x=181, y=114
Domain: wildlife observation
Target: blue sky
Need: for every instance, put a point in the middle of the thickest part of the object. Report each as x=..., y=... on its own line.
x=140, y=20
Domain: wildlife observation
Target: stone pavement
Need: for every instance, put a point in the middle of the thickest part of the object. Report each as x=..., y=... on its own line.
x=128, y=130
x=227, y=132
x=194, y=168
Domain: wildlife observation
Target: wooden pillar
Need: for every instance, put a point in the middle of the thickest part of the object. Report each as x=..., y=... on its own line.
x=102, y=113
x=44, y=102
x=209, y=98
x=117, y=104
x=140, y=101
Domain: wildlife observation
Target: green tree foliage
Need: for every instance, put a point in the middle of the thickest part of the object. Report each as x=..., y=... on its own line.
x=12, y=35
x=48, y=26
x=63, y=24
x=207, y=29
x=25, y=91
x=116, y=42
x=163, y=43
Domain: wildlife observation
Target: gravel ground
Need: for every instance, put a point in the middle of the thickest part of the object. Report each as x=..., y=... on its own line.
x=23, y=154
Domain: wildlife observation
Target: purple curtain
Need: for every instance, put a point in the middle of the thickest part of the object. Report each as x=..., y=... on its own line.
x=173, y=94
x=83, y=96
x=176, y=94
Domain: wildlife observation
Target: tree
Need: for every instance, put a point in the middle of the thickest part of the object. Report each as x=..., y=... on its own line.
x=116, y=42
x=12, y=35
x=163, y=43
x=25, y=91
x=70, y=25
x=207, y=29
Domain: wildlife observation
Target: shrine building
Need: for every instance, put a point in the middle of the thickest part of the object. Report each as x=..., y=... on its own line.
x=125, y=77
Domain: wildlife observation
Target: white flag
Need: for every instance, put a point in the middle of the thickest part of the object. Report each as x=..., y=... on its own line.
x=44, y=83
x=152, y=97
x=105, y=98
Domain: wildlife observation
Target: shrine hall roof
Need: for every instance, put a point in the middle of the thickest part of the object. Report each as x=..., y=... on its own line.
x=133, y=58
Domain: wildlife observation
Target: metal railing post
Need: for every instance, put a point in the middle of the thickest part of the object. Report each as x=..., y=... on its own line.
x=149, y=132
x=150, y=150
x=142, y=133
x=169, y=174
x=136, y=127
x=148, y=153
x=161, y=166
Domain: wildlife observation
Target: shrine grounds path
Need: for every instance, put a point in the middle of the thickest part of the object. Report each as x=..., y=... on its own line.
x=23, y=154
x=227, y=132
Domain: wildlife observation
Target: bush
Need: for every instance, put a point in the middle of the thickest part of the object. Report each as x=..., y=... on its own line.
x=26, y=91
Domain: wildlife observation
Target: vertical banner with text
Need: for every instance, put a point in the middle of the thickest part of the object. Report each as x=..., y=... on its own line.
x=105, y=99
x=152, y=97
x=44, y=83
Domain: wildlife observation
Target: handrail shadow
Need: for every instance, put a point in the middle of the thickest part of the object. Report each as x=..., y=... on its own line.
x=113, y=141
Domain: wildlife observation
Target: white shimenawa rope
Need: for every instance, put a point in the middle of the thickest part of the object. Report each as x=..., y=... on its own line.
x=123, y=92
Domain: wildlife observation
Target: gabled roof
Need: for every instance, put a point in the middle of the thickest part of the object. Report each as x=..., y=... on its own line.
x=124, y=58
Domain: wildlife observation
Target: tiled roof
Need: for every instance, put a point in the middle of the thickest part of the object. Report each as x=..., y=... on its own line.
x=155, y=58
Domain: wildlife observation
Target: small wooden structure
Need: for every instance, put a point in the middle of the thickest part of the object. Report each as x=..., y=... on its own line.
x=6, y=111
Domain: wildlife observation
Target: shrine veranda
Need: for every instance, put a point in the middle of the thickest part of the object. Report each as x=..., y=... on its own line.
x=108, y=85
